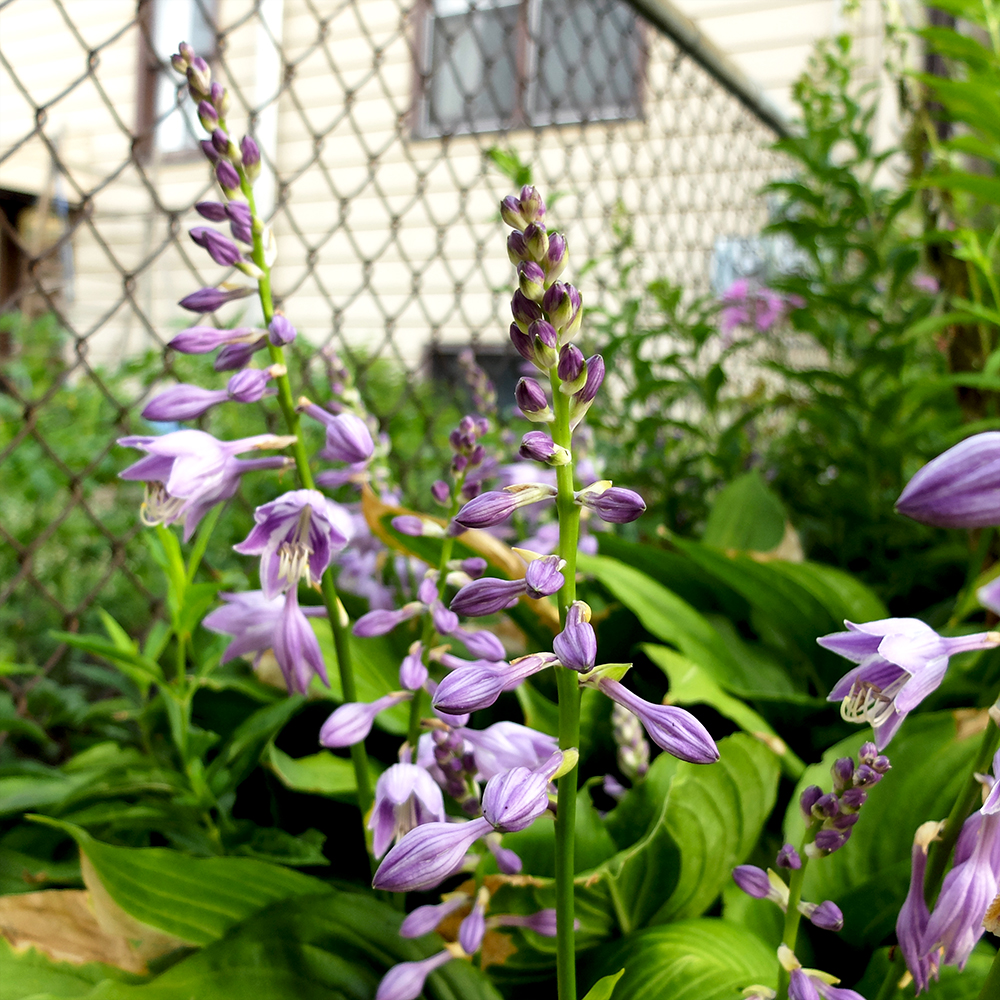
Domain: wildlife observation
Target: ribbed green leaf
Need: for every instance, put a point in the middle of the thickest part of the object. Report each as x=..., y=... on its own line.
x=195, y=899
x=320, y=773
x=692, y=960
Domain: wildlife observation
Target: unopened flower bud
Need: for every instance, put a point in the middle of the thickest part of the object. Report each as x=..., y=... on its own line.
x=220, y=248
x=517, y=249
x=219, y=97
x=280, y=331
x=544, y=577
x=207, y=300
x=251, y=158
x=474, y=567
x=532, y=401
x=227, y=177
x=538, y=446
x=556, y=258
x=843, y=772
x=826, y=916
x=524, y=311
x=881, y=764
x=826, y=806
x=615, y=505
x=199, y=77
x=808, y=799
x=209, y=150
x=788, y=857
x=234, y=356
x=572, y=369
x=510, y=212
x=562, y=303
x=830, y=840
x=532, y=205
x=220, y=141
x=441, y=491
x=214, y=211
x=853, y=799
x=582, y=400
x=536, y=241
x=208, y=117
x=531, y=280
x=179, y=63
x=867, y=753
x=865, y=776
x=249, y=385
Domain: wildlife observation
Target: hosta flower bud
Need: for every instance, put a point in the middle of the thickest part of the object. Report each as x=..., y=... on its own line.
x=514, y=800
x=524, y=311
x=473, y=928
x=531, y=399
x=615, y=505
x=826, y=916
x=445, y=621
x=199, y=77
x=788, y=857
x=427, y=855
x=826, y=806
x=556, y=258
x=576, y=646
x=852, y=799
x=494, y=507
x=221, y=249
x=214, y=211
x=239, y=212
x=581, y=401
x=203, y=339
x=220, y=141
x=441, y=491
x=544, y=577
x=546, y=335
x=208, y=117
x=474, y=567
x=179, y=63
x=572, y=369
x=381, y=621
x=757, y=883
x=425, y=919
x=532, y=204
x=182, y=402
x=207, y=300
x=412, y=672
x=517, y=249
x=209, y=150
x=353, y=721
x=536, y=241
x=562, y=303
x=227, y=177
x=250, y=152
x=219, y=97
x=531, y=280
x=486, y=596
x=234, y=356
x=537, y=445
x=510, y=212
x=280, y=331
x=249, y=385
x=830, y=840
x=843, y=772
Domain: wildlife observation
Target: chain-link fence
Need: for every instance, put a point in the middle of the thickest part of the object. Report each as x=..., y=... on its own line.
x=381, y=123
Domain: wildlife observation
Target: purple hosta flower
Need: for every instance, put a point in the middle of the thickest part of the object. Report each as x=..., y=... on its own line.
x=382, y=621
x=205, y=339
x=347, y=436
x=296, y=648
x=472, y=929
x=353, y=721
x=747, y=305
x=613, y=504
x=958, y=489
x=412, y=672
x=207, y=300
x=493, y=508
x=489, y=595
x=633, y=750
x=296, y=536
x=405, y=981
x=543, y=922
x=675, y=730
x=425, y=919
x=911, y=925
x=405, y=797
x=788, y=857
x=811, y=984
x=514, y=800
x=220, y=248
x=183, y=402
x=900, y=662
x=188, y=472
x=576, y=645
x=478, y=684
x=506, y=745
x=970, y=887
x=427, y=855
x=238, y=355
x=280, y=332
x=251, y=619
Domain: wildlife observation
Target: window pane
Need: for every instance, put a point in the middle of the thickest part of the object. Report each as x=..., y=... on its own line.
x=474, y=69
x=588, y=61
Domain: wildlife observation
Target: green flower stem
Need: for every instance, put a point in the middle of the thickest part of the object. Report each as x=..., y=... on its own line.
x=991, y=987
x=960, y=811
x=569, y=707
x=792, y=918
x=338, y=620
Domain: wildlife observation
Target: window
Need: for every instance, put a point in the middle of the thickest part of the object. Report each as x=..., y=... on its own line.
x=499, y=64
x=168, y=118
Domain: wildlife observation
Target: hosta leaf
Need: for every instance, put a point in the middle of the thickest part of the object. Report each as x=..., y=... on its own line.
x=194, y=899
x=320, y=773
x=691, y=960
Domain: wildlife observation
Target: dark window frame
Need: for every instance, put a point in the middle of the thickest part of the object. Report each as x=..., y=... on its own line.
x=526, y=58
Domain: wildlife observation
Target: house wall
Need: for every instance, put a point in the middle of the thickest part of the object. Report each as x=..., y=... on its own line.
x=385, y=242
